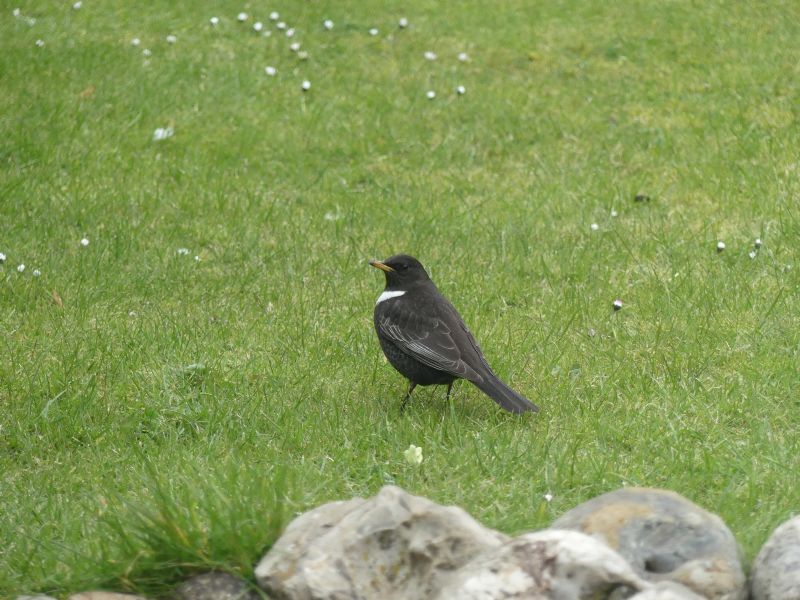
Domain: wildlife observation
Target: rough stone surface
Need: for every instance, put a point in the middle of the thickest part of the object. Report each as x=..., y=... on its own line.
x=392, y=546
x=37, y=597
x=667, y=590
x=775, y=574
x=665, y=537
x=550, y=564
x=214, y=586
x=100, y=595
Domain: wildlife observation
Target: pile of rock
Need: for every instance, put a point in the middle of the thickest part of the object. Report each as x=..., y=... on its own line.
x=636, y=543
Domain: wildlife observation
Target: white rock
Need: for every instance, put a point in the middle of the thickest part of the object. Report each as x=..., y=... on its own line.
x=775, y=574
x=394, y=546
x=549, y=564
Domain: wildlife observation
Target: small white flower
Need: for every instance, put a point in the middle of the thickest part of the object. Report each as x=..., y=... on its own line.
x=413, y=455
x=269, y=307
x=758, y=243
x=617, y=304
x=302, y=55
x=281, y=25
x=171, y=39
x=214, y=21
x=135, y=42
x=196, y=258
x=430, y=55
x=463, y=56
x=183, y=251
x=241, y=17
x=461, y=90
x=431, y=94
x=20, y=268
x=720, y=246
x=614, y=213
x=162, y=133
x=77, y=5
x=132, y=313
x=548, y=497
x=267, y=33
x=306, y=85
x=373, y=31
x=594, y=226
x=84, y=242
x=16, y=12
x=273, y=16
x=294, y=46
x=403, y=23
x=147, y=52
x=290, y=32
x=40, y=43
x=2, y=257
x=30, y=21
x=270, y=71
x=327, y=24
x=258, y=26
x=37, y=273
x=752, y=254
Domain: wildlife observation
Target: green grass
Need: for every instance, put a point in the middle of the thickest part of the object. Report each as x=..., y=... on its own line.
x=165, y=416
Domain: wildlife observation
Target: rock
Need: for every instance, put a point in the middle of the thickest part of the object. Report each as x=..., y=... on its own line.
x=775, y=574
x=550, y=564
x=37, y=597
x=100, y=595
x=665, y=537
x=215, y=586
x=667, y=590
x=392, y=546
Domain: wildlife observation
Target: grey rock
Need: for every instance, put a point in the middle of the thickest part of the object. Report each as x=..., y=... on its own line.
x=37, y=597
x=775, y=574
x=667, y=590
x=551, y=565
x=392, y=546
x=215, y=585
x=665, y=537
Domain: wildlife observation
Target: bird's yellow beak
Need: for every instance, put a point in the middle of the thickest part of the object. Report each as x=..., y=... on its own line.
x=383, y=267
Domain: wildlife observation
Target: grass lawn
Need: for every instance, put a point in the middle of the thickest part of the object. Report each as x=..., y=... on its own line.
x=161, y=415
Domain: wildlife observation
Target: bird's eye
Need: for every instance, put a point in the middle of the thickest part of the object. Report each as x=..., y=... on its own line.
x=403, y=267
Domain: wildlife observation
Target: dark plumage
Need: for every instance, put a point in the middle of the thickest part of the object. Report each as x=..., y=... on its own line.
x=425, y=338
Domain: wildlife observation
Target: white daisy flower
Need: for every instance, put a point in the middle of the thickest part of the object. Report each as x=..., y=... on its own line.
x=430, y=55
x=461, y=90
x=21, y=268
x=271, y=71
x=413, y=455
x=306, y=85
x=171, y=39
x=327, y=24
x=214, y=21
x=431, y=94
x=403, y=23
x=84, y=242
x=241, y=17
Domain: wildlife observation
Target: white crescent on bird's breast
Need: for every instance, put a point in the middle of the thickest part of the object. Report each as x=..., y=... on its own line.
x=388, y=296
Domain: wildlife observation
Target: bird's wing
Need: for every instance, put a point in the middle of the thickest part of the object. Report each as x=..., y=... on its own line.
x=427, y=339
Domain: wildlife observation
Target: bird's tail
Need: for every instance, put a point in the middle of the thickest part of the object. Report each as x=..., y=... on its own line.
x=504, y=395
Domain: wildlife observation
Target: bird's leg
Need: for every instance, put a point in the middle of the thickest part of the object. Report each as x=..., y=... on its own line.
x=411, y=387
x=449, y=387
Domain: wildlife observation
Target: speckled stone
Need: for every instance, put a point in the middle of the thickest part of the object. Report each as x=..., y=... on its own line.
x=665, y=537
x=215, y=585
x=394, y=546
x=776, y=570
x=551, y=564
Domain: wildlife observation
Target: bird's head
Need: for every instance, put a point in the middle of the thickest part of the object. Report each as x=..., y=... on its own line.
x=401, y=271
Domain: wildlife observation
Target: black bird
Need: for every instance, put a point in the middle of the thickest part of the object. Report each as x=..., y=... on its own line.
x=425, y=338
